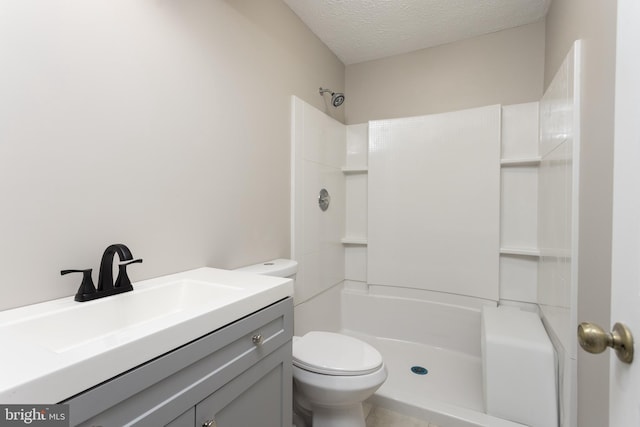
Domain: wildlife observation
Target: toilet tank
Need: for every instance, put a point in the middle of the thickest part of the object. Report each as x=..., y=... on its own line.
x=276, y=267
x=518, y=367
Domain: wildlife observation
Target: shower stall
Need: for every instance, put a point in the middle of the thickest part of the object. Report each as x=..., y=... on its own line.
x=430, y=219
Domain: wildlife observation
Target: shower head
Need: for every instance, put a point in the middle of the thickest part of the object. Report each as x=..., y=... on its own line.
x=337, y=98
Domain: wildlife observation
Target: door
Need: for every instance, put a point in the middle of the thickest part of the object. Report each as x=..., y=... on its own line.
x=624, y=382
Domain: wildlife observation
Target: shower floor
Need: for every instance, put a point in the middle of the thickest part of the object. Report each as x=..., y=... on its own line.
x=450, y=394
x=452, y=377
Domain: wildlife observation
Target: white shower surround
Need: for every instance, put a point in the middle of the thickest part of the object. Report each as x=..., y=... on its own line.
x=442, y=325
x=422, y=319
x=317, y=155
x=434, y=202
x=559, y=178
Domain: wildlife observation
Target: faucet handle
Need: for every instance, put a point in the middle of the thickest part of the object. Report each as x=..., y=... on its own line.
x=123, y=280
x=86, y=290
x=130, y=261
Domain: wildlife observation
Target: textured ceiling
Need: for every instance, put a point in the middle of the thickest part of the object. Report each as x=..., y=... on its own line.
x=362, y=30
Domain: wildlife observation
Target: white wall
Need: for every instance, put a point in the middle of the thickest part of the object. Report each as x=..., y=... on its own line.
x=161, y=125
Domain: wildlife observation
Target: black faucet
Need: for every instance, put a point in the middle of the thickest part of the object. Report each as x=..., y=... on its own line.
x=106, y=286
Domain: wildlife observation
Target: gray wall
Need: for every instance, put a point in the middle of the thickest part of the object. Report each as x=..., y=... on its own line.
x=594, y=22
x=162, y=125
x=506, y=67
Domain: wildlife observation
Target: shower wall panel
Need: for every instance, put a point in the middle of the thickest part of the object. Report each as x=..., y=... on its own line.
x=558, y=192
x=434, y=202
x=318, y=154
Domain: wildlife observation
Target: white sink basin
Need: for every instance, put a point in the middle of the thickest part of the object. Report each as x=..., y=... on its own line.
x=111, y=320
x=56, y=349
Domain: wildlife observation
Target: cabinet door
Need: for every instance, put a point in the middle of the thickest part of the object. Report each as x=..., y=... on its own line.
x=261, y=396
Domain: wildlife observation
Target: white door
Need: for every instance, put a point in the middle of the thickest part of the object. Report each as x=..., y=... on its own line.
x=624, y=396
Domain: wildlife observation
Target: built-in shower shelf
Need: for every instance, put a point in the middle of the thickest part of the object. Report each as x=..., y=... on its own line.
x=351, y=170
x=359, y=241
x=530, y=161
x=532, y=252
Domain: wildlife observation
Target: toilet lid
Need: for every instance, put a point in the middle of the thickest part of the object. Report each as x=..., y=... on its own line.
x=335, y=354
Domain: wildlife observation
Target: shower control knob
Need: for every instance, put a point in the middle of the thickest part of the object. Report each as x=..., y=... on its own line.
x=594, y=339
x=209, y=423
x=324, y=199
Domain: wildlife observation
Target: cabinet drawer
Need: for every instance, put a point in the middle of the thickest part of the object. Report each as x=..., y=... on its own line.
x=260, y=396
x=157, y=392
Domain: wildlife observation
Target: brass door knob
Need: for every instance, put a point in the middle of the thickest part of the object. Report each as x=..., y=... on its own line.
x=594, y=339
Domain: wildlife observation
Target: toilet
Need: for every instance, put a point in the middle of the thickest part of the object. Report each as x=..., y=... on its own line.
x=332, y=373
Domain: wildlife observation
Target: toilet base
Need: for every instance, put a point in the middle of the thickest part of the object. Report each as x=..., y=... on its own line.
x=342, y=416
x=348, y=416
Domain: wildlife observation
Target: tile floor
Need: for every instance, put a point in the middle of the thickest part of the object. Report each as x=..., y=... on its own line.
x=381, y=417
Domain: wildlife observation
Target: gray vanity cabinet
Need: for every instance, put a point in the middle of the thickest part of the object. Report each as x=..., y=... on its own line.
x=236, y=376
x=251, y=399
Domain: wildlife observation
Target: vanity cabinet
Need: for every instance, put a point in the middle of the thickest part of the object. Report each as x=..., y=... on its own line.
x=238, y=375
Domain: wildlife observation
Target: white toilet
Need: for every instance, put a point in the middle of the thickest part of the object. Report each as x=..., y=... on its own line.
x=333, y=373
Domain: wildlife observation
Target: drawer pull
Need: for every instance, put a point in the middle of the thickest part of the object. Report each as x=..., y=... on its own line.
x=209, y=423
x=257, y=339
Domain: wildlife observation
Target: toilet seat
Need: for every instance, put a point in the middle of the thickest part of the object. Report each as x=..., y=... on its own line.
x=335, y=354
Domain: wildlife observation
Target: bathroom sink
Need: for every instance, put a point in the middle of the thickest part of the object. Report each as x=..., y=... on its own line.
x=111, y=320
x=59, y=348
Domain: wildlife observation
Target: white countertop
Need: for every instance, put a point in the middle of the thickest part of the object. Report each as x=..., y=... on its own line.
x=56, y=349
